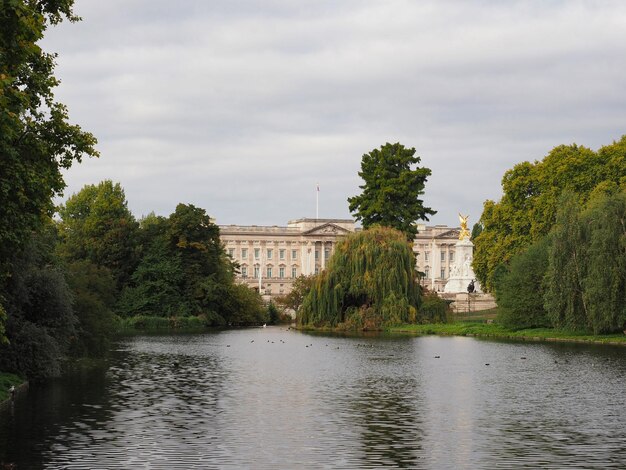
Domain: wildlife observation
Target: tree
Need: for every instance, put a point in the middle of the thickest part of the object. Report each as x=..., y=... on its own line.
x=155, y=288
x=370, y=282
x=520, y=291
x=528, y=207
x=36, y=140
x=41, y=323
x=96, y=225
x=392, y=190
x=299, y=289
x=196, y=239
x=605, y=282
x=567, y=267
x=94, y=295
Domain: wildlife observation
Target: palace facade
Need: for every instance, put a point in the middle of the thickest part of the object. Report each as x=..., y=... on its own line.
x=271, y=257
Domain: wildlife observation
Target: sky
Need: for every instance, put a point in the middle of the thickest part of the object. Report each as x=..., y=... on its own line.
x=242, y=107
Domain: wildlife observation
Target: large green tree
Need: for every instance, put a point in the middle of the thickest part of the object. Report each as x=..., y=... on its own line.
x=36, y=140
x=528, y=207
x=392, y=190
x=97, y=225
x=605, y=284
x=520, y=292
x=41, y=323
x=370, y=282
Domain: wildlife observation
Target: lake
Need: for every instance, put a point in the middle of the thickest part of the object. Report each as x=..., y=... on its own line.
x=278, y=398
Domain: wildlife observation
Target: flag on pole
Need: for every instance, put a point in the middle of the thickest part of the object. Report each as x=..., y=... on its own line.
x=318, y=187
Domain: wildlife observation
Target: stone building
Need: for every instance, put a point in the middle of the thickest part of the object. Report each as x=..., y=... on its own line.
x=434, y=248
x=271, y=257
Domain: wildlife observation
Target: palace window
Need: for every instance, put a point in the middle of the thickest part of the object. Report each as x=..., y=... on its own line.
x=317, y=270
x=270, y=252
x=443, y=273
x=244, y=253
x=443, y=256
x=256, y=272
x=317, y=255
x=231, y=252
x=426, y=255
x=269, y=271
x=326, y=253
x=426, y=272
x=294, y=272
x=244, y=271
x=281, y=254
x=257, y=253
x=281, y=272
x=451, y=257
x=294, y=254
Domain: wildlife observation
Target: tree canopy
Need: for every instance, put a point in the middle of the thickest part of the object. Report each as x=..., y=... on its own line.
x=370, y=282
x=37, y=141
x=392, y=190
x=528, y=207
x=97, y=225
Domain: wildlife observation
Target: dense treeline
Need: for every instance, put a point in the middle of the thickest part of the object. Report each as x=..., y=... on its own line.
x=554, y=248
x=36, y=143
x=527, y=210
x=79, y=274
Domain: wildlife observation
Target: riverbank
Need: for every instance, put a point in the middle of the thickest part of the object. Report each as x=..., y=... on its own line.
x=151, y=324
x=493, y=330
x=6, y=382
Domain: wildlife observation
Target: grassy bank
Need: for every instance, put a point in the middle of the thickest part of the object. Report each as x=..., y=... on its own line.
x=6, y=381
x=493, y=330
x=161, y=324
x=149, y=324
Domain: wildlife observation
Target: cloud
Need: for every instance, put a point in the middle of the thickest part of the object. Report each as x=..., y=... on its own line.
x=241, y=107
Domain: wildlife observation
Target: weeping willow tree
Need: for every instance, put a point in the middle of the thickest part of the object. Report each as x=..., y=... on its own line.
x=370, y=282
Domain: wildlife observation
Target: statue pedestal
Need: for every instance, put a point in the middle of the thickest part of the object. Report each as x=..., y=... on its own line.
x=461, y=272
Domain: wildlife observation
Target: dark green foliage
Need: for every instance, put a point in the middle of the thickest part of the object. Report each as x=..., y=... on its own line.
x=96, y=225
x=605, y=283
x=476, y=230
x=433, y=309
x=156, y=285
x=94, y=295
x=567, y=267
x=36, y=140
x=194, y=238
x=151, y=323
x=273, y=315
x=41, y=323
x=582, y=264
x=3, y=319
x=520, y=291
x=243, y=306
x=184, y=271
x=392, y=190
x=370, y=282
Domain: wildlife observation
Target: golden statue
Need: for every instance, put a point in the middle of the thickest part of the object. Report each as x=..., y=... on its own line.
x=465, y=233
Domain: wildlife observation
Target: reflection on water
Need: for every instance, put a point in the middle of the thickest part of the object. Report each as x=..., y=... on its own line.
x=273, y=398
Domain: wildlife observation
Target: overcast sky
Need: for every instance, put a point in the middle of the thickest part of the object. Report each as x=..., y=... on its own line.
x=241, y=107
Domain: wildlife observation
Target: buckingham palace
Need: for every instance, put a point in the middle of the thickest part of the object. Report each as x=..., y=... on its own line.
x=271, y=257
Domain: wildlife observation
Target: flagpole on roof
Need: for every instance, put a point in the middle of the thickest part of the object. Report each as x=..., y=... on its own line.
x=317, y=202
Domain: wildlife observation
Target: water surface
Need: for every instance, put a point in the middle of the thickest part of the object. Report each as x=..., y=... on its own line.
x=276, y=398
